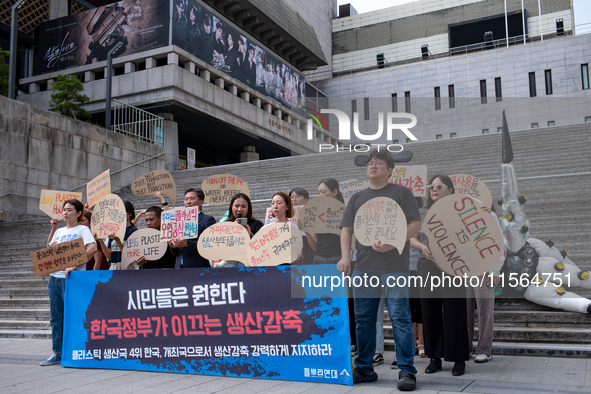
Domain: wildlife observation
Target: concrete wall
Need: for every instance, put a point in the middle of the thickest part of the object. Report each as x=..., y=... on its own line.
x=568, y=104
x=44, y=150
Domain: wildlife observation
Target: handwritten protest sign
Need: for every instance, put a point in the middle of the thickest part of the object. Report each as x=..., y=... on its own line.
x=463, y=238
x=155, y=181
x=179, y=223
x=381, y=219
x=473, y=187
x=69, y=254
x=98, y=187
x=277, y=243
x=145, y=242
x=219, y=189
x=226, y=241
x=413, y=177
x=352, y=186
x=52, y=200
x=109, y=217
x=322, y=215
x=295, y=210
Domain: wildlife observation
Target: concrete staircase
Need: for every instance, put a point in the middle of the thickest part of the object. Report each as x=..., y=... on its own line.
x=558, y=207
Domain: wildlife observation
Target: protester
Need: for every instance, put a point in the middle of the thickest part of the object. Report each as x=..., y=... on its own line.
x=483, y=297
x=299, y=196
x=112, y=249
x=153, y=216
x=185, y=250
x=444, y=308
x=383, y=262
x=281, y=207
x=56, y=287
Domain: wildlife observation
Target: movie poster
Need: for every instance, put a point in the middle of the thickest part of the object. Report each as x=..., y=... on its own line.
x=206, y=36
x=87, y=37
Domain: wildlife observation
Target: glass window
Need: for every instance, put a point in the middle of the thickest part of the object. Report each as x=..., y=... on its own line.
x=534, y=125
x=366, y=108
x=499, y=129
x=483, y=91
x=395, y=142
x=484, y=131
x=532, y=84
x=407, y=102
x=452, y=135
x=394, y=102
x=548, y=79
x=587, y=119
x=408, y=140
x=438, y=137
x=498, y=90
x=437, y=93
x=585, y=75
x=551, y=123
x=452, y=96
x=353, y=108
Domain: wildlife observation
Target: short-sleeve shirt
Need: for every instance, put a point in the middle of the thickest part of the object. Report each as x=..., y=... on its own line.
x=65, y=234
x=368, y=260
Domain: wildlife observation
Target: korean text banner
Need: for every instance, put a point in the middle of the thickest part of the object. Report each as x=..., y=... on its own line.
x=228, y=322
x=87, y=37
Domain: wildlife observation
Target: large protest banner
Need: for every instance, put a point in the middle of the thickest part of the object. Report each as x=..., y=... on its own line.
x=225, y=322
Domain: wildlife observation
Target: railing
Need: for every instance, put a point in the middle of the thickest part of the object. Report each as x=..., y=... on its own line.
x=580, y=29
x=137, y=123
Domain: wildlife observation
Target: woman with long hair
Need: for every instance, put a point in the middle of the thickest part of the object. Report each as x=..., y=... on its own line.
x=112, y=250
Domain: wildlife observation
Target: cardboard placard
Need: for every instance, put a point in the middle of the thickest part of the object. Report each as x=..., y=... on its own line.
x=155, y=181
x=277, y=243
x=181, y=223
x=473, y=187
x=322, y=215
x=52, y=200
x=352, y=186
x=413, y=177
x=226, y=241
x=296, y=214
x=381, y=219
x=219, y=189
x=69, y=254
x=145, y=242
x=98, y=187
x=108, y=217
x=463, y=238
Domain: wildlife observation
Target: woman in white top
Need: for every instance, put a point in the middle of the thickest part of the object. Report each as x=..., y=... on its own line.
x=72, y=213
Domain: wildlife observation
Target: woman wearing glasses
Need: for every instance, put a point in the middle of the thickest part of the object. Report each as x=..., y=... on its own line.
x=445, y=329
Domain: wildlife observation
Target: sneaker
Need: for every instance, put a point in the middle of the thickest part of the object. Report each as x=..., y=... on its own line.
x=482, y=358
x=361, y=377
x=52, y=360
x=406, y=381
x=394, y=365
x=353, y=350
x=378, y=359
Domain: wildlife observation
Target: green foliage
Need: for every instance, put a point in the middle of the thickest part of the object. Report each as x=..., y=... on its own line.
x=68, y=98
x=4, y=72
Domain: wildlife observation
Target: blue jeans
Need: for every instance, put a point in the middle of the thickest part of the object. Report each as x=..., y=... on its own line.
x=56, y=287
x=367, y=300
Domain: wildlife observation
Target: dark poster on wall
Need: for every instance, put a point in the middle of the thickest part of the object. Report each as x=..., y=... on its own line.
x=203, y=34
x=88, y=36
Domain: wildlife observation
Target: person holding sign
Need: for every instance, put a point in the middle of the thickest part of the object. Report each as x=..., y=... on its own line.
x=185, y=250
x=72, y=213
x=300, y=196
x=378, y=265
x=281, y=207
x=153, y=215
x=445, y=329
x=112, y=250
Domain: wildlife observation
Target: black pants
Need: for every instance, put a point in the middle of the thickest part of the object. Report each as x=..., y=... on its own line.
x=445, y=321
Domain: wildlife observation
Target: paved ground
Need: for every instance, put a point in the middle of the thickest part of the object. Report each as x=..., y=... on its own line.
x=20, y=372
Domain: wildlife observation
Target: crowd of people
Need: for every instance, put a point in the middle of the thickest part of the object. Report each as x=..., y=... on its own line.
x=438, y=324
x=209, y=38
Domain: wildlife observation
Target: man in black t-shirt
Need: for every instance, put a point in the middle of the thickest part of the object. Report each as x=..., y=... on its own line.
x=381, y=261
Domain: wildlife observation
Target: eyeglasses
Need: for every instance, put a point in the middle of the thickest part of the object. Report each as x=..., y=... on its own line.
x=438, y=187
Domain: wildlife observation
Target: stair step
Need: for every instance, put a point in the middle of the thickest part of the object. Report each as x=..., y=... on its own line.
x=29, y=334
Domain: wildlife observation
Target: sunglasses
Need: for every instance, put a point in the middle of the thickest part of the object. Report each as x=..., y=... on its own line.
x=436, y=187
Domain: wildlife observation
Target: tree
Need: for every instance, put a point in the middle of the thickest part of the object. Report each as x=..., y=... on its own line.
x=68, y=98
x=3, y=72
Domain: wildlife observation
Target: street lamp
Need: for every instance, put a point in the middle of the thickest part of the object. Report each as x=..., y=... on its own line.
x=13, y=48
x=109, y=81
